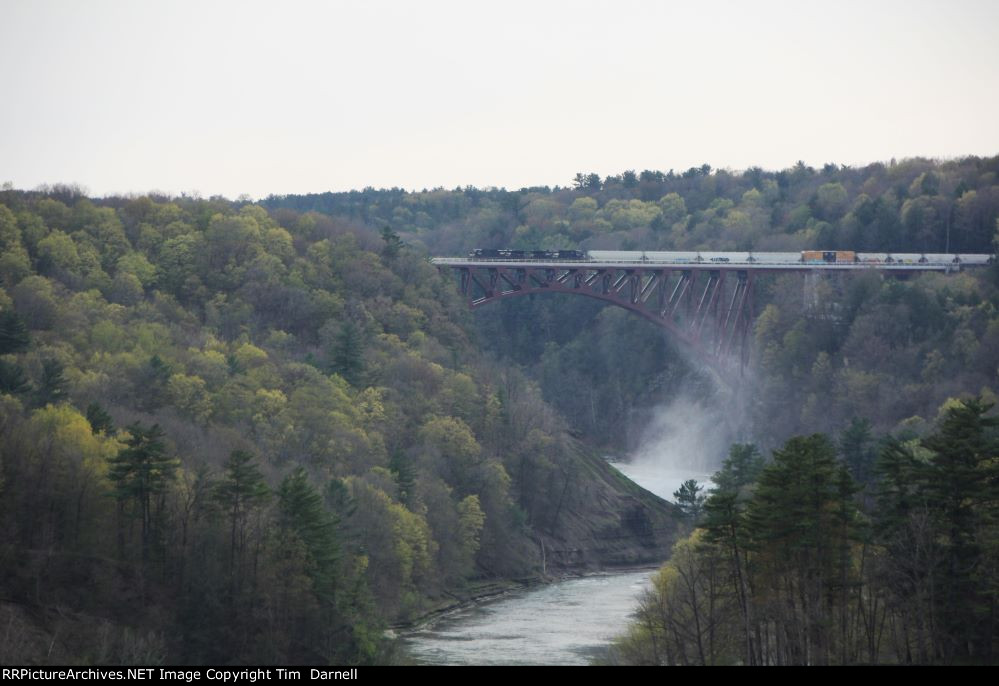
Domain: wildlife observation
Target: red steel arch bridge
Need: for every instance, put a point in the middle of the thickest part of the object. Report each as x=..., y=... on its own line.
x=705, y=300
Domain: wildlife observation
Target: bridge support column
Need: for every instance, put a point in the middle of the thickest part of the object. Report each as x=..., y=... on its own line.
x=810, y=292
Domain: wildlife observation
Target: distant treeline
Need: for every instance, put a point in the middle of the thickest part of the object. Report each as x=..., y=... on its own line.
x=915, y=205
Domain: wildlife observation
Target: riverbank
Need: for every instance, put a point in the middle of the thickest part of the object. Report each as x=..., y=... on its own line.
x=606, y=521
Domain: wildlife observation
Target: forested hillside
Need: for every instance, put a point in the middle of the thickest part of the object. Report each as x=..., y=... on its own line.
x=235, y=437
x=264, y=432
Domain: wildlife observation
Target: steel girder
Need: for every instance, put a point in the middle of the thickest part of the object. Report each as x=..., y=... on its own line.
x=708, y=310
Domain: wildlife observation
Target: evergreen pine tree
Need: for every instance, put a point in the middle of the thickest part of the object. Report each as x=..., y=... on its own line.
x=52, y=388
x=339, y=500
x=797, y=526
x=303, y=515
x=393, y=244
x=404, y=472
x=241, y=490
x=13, y=333
x=902, y=528
x=12, y=378
x=348, y=353
x=100, y=420
x=741, y=468
x=689, y=499
x=139, y=472
x=155, y=376
x=855, y=445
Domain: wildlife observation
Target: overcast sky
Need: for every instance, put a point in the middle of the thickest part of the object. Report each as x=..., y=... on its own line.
x=292, y=97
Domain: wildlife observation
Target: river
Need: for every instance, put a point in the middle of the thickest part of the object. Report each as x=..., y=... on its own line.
x=565, y=623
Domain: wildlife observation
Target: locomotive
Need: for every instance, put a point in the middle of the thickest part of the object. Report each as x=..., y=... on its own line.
x=508, y=254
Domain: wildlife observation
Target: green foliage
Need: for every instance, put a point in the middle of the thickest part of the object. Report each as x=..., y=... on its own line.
x=303, y=516
x=99, y=419
x=189, y=394
x=57, y=253
x=398, y=544
x=14, y=265
x=243, y=485
x=136, y=264
x=689, y=499
x=393, y=244
x=405, y=474
x=54, y=449
x=178, y=263
x=10, y=234
x=831, y=201
x=240, y=493
x=142, y=468
x=35, y=300
x=152, y=382
x=139, y=473
x=740, y=470
x=789, y=509
x=13, y=333
x=52, y=386
x=126, y=289
x=13, y=379
x=451, y=442
x=471, y=519
x=348, y=353
x=856, y=446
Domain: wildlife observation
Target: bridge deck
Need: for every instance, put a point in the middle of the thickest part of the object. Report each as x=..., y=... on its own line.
x=704, y=265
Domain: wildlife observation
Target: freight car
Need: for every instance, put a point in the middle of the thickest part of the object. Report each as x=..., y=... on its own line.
x=828, y=256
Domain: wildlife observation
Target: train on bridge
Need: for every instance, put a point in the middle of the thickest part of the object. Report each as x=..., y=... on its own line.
x=507, y=254
x=805, y=257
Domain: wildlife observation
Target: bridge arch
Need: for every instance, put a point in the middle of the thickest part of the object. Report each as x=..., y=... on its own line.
x=709, y=310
